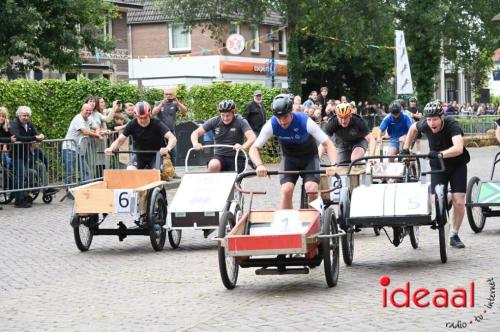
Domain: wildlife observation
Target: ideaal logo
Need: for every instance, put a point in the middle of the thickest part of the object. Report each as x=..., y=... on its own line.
x=460, y=297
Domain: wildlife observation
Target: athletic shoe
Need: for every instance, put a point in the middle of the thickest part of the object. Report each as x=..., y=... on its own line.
x=455, y=242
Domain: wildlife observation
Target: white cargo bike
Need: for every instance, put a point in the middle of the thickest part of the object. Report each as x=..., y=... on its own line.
x=403, y=206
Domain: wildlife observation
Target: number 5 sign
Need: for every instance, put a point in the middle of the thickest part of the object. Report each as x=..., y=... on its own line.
x=124, y=200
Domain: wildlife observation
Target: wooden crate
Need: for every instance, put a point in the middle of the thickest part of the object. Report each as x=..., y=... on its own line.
x=99, y=197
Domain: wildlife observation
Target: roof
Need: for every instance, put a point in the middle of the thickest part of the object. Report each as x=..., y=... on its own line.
x=150, y=14
x=496, y=18
x=496, y=55
x=136, y=4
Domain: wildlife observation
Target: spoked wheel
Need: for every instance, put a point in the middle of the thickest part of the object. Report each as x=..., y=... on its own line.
x=174, y=238
x=227, y=265
x=348, y=239
x=443, y=225
x=330, y=248
x=47, y=199
x=82, y=230
x=474, y=213
x=157, y=212
x=414, y=232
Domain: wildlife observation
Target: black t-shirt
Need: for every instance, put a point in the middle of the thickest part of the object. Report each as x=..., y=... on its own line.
x=413, y=110
x=230, y=134
x=149, y=138
x=168, y=115
x=442, y=140
x=353, y=133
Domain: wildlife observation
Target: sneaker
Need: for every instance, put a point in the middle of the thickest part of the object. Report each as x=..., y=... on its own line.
x=455, y=242
x=23, y=205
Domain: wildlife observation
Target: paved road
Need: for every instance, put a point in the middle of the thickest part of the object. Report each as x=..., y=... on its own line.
x=47, y=284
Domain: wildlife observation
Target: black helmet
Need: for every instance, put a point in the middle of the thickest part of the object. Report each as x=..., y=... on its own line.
x=282, y=104
x=395, y=107
x=226, y=106
x=433, y=108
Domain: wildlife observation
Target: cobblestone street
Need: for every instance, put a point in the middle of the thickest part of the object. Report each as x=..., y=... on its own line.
x=46, y=283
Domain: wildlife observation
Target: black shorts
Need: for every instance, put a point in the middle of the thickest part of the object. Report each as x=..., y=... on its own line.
x=456, y=176
x=227, y=163
x=308, y=163
x=143, y=161
x=344, y=150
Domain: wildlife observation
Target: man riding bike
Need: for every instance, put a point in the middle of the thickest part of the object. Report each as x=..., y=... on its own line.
x=397, y=125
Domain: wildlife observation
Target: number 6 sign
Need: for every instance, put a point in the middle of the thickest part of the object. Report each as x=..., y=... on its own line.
x=124, y=200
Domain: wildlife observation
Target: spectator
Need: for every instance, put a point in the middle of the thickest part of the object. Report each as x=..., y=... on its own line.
x=313, y=95
x=297, y=100
x=81, y=125
x=129, y=112
x=166, y=110
x=119, y=125
x=255, y=113
x=5, y=137
x=25, y=132
x=343, y=99
x=329, y=111
x=297, y=108
x=322, y=99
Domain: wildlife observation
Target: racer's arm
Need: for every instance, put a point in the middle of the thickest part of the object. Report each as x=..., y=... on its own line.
x=172, y=141
x=318, y=134
x=195, y=135
x=412, y=133
x=250, y=138
x=382, y=128
x=265, y=133
x=116, y=144
x=372, y=144
x=457, y=148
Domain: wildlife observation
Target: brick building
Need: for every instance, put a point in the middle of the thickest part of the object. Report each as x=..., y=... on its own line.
x=163, y=53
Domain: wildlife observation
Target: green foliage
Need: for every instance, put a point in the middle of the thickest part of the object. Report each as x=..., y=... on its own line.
x=54, y=103
x=56, y=31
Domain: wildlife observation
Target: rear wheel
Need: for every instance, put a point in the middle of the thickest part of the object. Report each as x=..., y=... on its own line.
x=330, y=248
x=474, y=213
x=414, y=232
x=157, y=212
x=228, y=267
x=348, y=238
x=83, y=230
x=443, y=225
x=174, y=238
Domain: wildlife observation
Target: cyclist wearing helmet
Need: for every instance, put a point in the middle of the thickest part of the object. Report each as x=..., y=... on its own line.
x=445, y=138
x=350, y=134
x=148, y=134
x=297, y=135
x=397, y=125
x=229, y=129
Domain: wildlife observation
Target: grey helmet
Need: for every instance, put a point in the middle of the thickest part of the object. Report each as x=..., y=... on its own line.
x=282, y=104
x=433, y=108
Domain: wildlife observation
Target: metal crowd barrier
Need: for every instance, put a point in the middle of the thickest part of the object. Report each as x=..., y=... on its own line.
x=476, y=127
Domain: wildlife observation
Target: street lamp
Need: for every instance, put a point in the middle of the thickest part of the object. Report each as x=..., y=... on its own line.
x=271, y=40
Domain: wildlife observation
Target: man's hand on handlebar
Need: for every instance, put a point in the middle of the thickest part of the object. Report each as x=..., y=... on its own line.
x=435, y=154
x=197, y=146
x=261, y=170
x=330, y=171
x=237, y=146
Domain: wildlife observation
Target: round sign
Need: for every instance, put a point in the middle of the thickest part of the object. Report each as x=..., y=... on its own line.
x=235, y=44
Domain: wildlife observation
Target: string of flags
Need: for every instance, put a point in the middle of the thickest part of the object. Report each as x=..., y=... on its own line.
x=202, y=51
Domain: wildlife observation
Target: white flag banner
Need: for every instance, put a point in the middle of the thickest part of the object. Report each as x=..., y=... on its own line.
x=403, y=74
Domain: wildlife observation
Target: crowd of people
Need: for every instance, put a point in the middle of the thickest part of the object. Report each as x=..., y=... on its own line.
x=304, y=131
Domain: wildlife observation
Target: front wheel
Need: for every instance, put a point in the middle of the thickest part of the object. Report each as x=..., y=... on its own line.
x=443, y=225
x=228, y=267
x=474, y=213
x=83, y=230
x=174, y=238
x=157, y=212
x=330, y=248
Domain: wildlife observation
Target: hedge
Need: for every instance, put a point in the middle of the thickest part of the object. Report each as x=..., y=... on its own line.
x=54, y=102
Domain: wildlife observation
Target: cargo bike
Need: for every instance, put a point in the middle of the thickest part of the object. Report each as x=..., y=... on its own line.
x=138, y=193
x=403, y=206
x=482, y=199
x=278, y=241
x=203, y=198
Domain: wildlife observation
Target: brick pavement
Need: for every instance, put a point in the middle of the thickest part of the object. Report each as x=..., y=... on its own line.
x=47, y=284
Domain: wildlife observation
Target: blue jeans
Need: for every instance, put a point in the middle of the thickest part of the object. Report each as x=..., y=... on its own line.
x=20, y=167
x=69, y=158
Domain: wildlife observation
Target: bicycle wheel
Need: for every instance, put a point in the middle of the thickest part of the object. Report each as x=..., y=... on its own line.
x=330, y=248
x=228, y=267
x=157, y=212
x=83, y=231
x=414, y=232
x=474, y=213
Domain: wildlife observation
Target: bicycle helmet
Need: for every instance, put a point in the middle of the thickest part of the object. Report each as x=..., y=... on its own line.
x=227, y=106
x=282, y=104
x=142, y=110
x=433, y=108
x=343, y=109
x=395, y=107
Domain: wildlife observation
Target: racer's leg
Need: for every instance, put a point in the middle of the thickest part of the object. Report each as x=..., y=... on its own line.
x=458, y=201
x=286, y=195
x=214, y=165
x=311, y=187
x=357, y=152
x=458, y=185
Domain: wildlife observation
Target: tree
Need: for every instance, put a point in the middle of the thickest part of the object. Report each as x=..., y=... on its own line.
x=459, y=30
x=51, y=34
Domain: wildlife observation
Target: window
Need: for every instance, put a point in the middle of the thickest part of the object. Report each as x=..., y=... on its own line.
x=179, y=37
x=108, y=30
x=282, y=41
x=234, y=28
x=71, y=76
x=37, y=74
x=496, y=75
x=254, y=36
